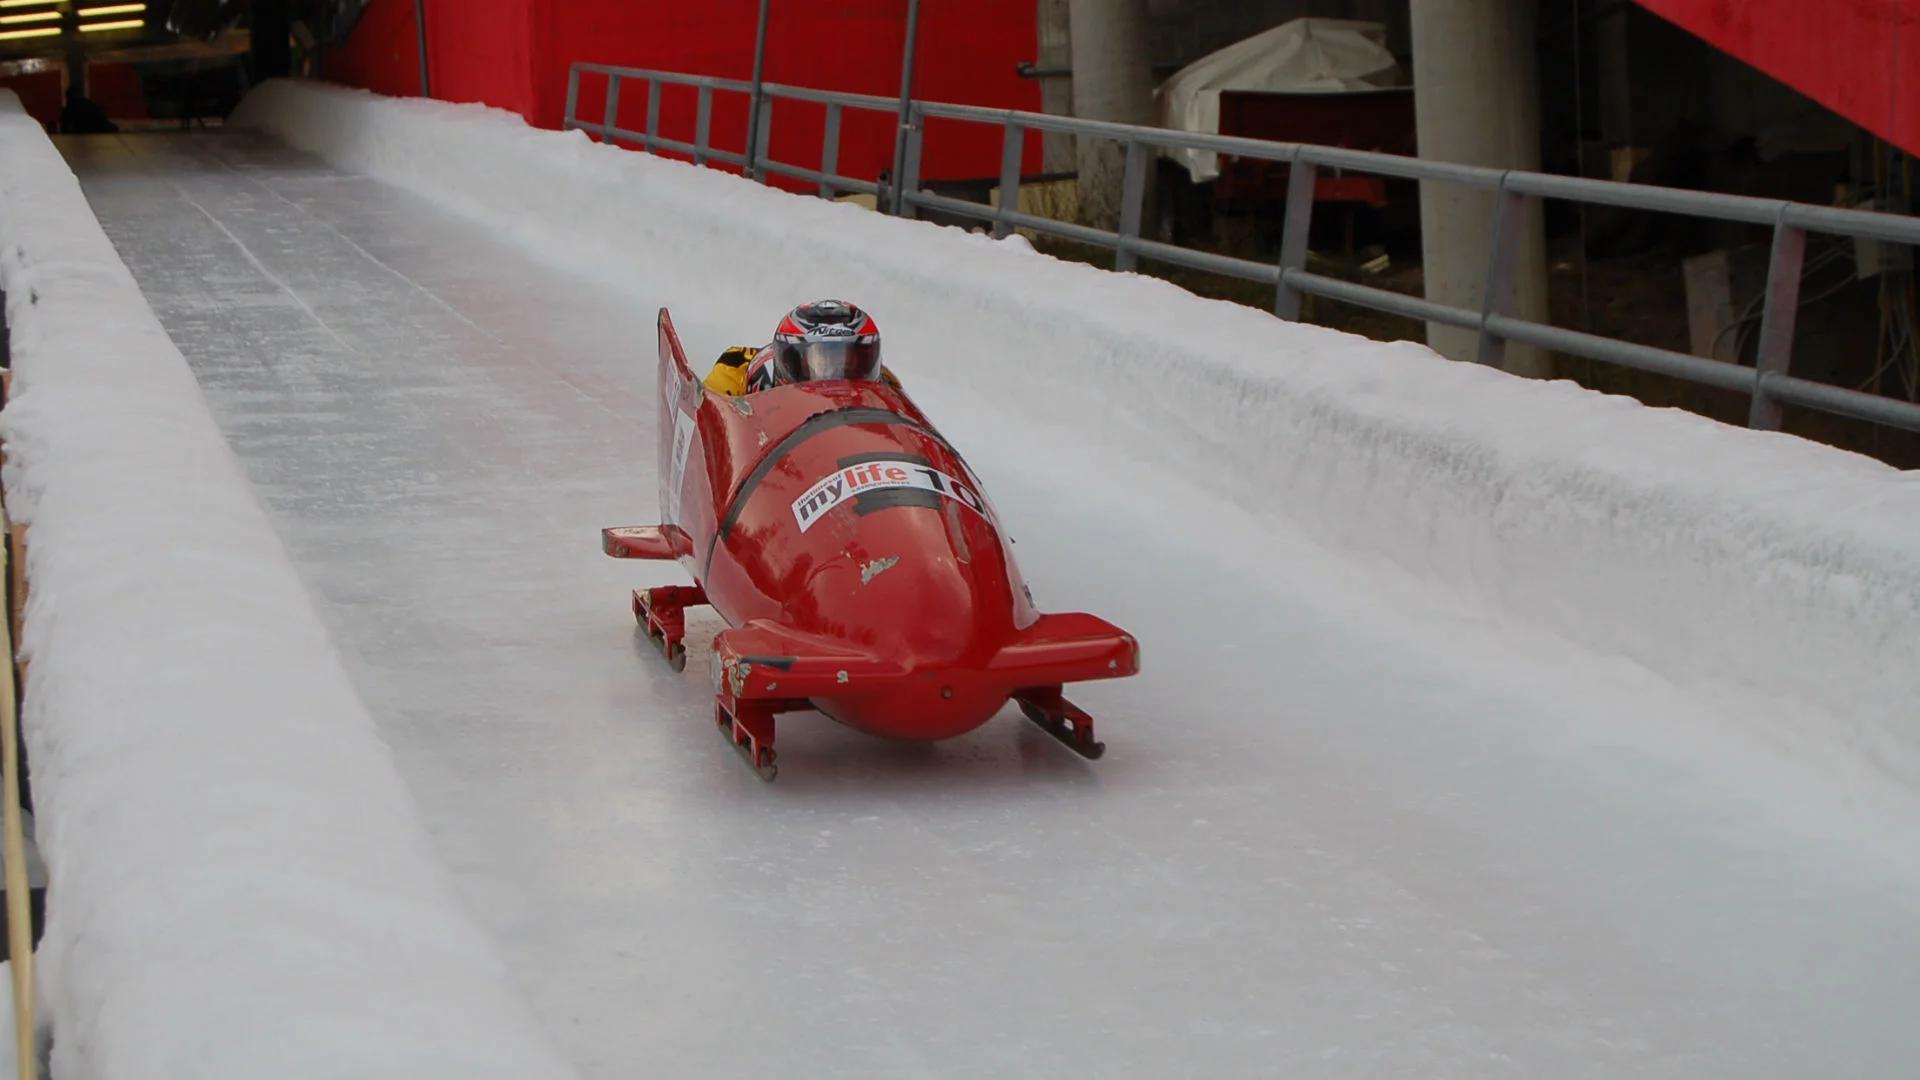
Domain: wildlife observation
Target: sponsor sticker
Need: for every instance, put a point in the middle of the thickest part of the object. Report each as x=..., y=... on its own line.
x=683, y=429
x=854, y=480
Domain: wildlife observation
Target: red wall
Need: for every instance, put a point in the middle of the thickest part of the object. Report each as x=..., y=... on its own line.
x=117, y=88
x=380, y=54
x=478, y=50
x=1856, y=57
x=515, y=54
x=41, y=94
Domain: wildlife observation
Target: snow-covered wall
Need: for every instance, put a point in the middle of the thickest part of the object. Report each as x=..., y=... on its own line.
x=239, y=884
x=1755, y=567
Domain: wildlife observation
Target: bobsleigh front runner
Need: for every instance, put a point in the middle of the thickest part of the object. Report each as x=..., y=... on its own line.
x=860, y=567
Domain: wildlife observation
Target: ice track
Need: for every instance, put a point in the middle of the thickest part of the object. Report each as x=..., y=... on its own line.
x=1325, y=840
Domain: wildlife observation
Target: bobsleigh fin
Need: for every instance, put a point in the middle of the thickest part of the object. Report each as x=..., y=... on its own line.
x=764, y=660
x=1067, y=648
x=664, y=542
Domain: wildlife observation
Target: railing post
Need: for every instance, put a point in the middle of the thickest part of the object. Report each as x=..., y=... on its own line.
x=1778, y=321
x=830, y=151
x=1011, y=150
x=762, y=139
x=420, y=35
x=754, y=95
x=907, y=184
x=1133, y=200
x=1507, y=221
x=610, y=119
x=572, y=115
x=702, y=124
x=653, y=114
x=1301, y=178
x=907, y=121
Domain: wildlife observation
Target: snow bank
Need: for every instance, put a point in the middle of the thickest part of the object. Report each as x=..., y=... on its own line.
x=239, y=884
x=1757, y=567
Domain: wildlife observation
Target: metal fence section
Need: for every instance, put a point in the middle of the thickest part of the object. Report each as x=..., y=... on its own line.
x=1769, y=383
x=755, y=161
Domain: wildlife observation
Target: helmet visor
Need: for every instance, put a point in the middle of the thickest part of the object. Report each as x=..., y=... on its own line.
x=847, y=358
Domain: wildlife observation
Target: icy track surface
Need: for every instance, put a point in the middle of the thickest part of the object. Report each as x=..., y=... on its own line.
x=1335, y=833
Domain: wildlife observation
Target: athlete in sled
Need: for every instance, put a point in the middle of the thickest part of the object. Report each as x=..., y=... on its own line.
x=827, y=339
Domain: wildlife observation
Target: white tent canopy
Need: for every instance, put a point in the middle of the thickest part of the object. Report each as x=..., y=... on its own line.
x=1303, y=56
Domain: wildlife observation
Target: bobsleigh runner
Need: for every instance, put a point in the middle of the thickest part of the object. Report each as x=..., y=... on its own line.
x=862, y=572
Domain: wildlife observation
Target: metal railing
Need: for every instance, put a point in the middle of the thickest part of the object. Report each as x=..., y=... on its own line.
x=755, y=160
x=1768, y=383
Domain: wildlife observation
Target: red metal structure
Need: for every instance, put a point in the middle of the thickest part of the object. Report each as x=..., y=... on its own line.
x=1856, y=58
x=861, y=568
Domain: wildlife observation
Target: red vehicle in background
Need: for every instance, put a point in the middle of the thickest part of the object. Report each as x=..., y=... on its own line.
x=861, y=568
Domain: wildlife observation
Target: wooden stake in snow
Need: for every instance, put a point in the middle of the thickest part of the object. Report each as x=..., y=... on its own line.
x=19, y=917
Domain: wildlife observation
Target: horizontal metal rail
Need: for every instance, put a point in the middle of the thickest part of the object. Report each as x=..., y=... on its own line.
x=661, y=142
x=1839, y=400
x=1392, y=303
x=830, y=182
x=1768, y=384
x=675, y=78
x=1697, y=369
x=832, y=97
x=1740, y=208
x=979, y=211
x=825, y=179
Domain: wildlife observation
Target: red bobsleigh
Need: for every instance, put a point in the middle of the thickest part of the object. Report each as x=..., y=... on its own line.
x=859, y=566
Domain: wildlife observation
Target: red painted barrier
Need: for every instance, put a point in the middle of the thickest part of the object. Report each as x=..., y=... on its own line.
x=478, y=50
x=514, y=54
x=1860, y=58
x=117, y=87
x=40, y=94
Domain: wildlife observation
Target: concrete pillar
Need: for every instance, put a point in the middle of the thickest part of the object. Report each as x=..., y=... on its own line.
x=1615, y=77
x=76, y=62
x=1477, y=102
x=1055, y=53
x=1112, y=80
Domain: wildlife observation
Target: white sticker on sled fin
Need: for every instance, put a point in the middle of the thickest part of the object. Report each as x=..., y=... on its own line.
x=683, y=427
